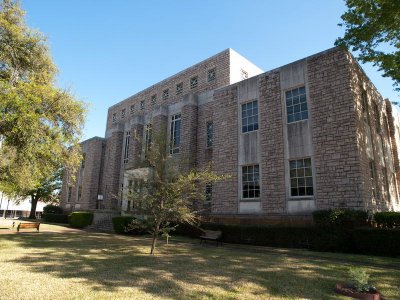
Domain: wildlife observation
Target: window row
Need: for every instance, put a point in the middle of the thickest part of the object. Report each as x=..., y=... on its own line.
x=296, y=109
x=301, y=179
x=193, y=83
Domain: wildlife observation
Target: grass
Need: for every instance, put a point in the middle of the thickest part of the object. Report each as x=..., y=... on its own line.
x=82, y=265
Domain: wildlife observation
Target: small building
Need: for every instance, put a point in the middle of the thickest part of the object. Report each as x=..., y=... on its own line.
x=313, y=134
x=9, y=208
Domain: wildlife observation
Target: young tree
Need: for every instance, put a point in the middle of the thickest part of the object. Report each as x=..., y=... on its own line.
x=373, y=29
x=40, y=124
x=166, y=195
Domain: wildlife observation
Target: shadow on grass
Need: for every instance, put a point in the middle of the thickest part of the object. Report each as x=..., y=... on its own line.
x=107, y=262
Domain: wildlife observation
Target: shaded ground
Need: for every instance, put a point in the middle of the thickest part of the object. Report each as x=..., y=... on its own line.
x=6, y=227
x=87, y=265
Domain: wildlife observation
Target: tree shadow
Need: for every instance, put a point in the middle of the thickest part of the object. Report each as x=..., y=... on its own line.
x=179, y=271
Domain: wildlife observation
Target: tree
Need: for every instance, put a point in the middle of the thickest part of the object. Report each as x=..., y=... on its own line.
x=373, y=29
x=47, y=192
x=40, y=124
x=165, y=195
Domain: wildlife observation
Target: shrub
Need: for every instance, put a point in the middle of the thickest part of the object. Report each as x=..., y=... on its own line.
x=387, y=219
x=360, y=279
x=373, y=241
x=376, y=241
x=274, y=236
x=120, y=224
x=55, y=218
x=53, y=209
x=80, y=219
x=340, y=217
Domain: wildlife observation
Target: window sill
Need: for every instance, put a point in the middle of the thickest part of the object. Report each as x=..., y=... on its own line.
x=291, y=198
x=250, y=200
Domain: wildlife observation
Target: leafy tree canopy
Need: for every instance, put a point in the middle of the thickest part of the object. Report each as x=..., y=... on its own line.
x=373, y=29
x=40, y=124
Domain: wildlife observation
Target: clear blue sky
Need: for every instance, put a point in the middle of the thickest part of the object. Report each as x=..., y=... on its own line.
x=107, y=51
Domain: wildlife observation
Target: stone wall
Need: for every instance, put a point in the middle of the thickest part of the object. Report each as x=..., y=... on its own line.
x=336, y=157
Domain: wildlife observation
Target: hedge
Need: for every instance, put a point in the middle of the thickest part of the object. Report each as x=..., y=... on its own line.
x=387, y=219
x=53, y=209
x=340, y=217
x=377, y=241
x=120, y=223
x=373, y=241
x=80, y=219
x=55, y=218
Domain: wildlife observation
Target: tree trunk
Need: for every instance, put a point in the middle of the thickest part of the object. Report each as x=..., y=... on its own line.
x=155, y=235
x=34, y=199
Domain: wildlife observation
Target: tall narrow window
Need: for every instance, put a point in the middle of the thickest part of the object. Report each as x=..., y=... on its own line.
x=210, y=134
x=132, y=108
x=114, y=117
x=148, y=136
x=377, y=118
x=250, y=116
x=372, y=171
x=123, y=113
x=142, y=104
x=69, y=194
x=126, y=149
x=175, y=134
x=83, y=160
x=251, y=182
x=296, y=105
x=79, y=194
x=301, y=180
x=208, y=192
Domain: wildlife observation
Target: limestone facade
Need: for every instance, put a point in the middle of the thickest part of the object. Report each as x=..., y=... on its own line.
x=313, y=134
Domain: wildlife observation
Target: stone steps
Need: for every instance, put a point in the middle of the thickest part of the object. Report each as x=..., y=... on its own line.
x=104, y=225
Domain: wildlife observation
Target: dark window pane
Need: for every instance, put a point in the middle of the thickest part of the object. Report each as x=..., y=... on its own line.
x=296, y=100
x=297, y=108
x=293, y=183
x=294, y=192
x=292, y=164
x=300, y=172
x=301, y=182
x=303, y=106
x=290, y=118
x=288, y=94
x=308, y=172
x=257, y=193
x=304, y=115
x=309, y=191
x=293, y=173
x=302, y=191
x=297, y=117
x=295, y=92
x=309, y=181
x=307, y=162
x=302, y=90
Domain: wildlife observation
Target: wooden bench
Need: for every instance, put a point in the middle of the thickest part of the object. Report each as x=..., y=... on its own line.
x=28, y=225
x=211, y=235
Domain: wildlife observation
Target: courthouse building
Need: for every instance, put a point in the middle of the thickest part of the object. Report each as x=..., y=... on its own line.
x=313, y=134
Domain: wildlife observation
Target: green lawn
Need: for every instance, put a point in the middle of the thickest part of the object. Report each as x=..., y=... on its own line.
x=80, y=265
